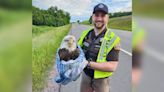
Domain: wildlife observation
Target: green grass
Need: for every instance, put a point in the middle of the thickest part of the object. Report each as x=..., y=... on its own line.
x=43, y=52
x=123, y=23
x=10, y=17
x=37, y=30
x=150, y=9
x=15, y=50
x=86, y=23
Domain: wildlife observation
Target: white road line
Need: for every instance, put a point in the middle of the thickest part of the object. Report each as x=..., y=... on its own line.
x=150, y=51
x=155, y=54
x=130, y=54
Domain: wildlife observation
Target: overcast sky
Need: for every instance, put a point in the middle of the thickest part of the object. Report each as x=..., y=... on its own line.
x=82, y=9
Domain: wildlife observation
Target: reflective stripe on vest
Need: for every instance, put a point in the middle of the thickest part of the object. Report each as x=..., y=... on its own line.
x=138, y=34
x=109, y=41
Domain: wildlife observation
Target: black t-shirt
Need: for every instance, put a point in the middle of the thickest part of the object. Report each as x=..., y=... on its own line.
x=91, y=46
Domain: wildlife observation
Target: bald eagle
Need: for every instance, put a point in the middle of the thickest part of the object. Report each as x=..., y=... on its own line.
x=68, y=49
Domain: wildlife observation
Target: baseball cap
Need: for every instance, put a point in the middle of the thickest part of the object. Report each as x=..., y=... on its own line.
x=100, y=7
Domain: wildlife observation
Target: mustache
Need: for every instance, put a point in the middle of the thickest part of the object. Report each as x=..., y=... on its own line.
x=99, y=21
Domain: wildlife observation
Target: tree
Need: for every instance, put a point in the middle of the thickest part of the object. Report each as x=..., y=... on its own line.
x=90, y=20
x=50, y=17
x=119, y=14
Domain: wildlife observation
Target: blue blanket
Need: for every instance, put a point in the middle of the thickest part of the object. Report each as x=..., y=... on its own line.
x=70, y=70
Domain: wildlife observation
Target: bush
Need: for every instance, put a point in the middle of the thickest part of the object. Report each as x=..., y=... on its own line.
x=50, y=17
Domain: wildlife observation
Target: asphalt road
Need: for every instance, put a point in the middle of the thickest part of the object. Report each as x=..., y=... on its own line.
x=121, y=80
x=153, y=56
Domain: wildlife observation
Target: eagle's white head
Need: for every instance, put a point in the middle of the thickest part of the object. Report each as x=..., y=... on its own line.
x=69, y=42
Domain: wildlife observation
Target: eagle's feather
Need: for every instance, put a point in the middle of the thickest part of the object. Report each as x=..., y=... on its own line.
x=68, y=49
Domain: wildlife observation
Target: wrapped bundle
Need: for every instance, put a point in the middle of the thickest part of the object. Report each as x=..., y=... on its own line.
x=70, y=61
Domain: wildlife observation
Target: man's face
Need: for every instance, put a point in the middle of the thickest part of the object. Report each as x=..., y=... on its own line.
x=100, y=19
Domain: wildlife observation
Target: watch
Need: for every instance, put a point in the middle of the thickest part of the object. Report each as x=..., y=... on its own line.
x=89, y=64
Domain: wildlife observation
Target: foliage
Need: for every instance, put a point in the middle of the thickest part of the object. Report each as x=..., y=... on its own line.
x=50, y=17
x=113, y=15
x=16, y=4
x=123, y=23
x=119, y=14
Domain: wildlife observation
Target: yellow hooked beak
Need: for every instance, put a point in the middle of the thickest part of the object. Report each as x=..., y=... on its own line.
x=70, y=42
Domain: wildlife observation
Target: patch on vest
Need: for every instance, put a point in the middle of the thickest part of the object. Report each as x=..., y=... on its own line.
x=86, y=44
x=101, y=39
x=97, y=46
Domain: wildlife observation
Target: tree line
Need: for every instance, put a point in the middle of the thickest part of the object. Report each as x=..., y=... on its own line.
x=112, y=15
x=50, y=17
x=119, y=14
x=16, y=4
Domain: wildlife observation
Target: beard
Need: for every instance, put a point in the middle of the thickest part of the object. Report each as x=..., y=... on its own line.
x=99, y=24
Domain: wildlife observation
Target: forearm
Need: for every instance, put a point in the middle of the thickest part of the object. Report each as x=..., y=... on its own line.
x=104, y=66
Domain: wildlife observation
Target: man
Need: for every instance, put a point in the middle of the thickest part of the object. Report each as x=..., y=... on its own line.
x=101, y=48
x=137, y=51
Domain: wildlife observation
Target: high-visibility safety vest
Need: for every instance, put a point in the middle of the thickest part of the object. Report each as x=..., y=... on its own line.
x=138, y=34
x=109, y=41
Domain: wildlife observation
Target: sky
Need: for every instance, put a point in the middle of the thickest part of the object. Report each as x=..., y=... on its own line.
x=82, y=9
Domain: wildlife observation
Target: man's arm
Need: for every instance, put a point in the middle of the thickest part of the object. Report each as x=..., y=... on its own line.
x=105, y=66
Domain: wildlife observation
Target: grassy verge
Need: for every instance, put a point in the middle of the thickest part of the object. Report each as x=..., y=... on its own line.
x=86, y=23
x=37, y=30
x=122, y=23
x=43, y=53
x=15, y=50
x=10, y=17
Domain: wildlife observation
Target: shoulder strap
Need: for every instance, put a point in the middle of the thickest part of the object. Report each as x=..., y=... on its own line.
x=83, y=35
x=109, y=41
